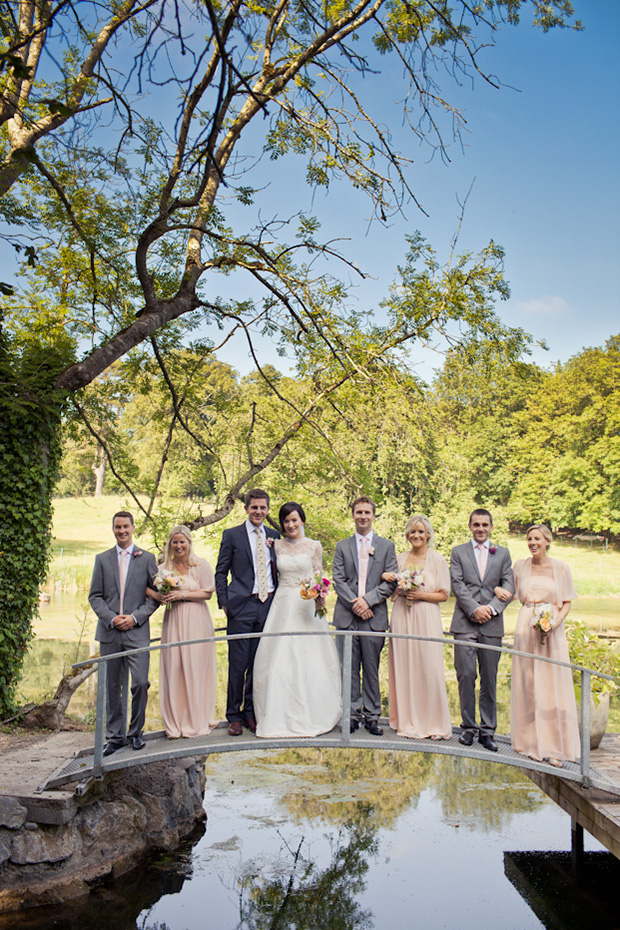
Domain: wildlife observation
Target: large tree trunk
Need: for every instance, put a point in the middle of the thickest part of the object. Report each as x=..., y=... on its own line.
x=51, y=715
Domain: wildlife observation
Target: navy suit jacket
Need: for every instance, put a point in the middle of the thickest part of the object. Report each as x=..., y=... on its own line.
x=235, y=559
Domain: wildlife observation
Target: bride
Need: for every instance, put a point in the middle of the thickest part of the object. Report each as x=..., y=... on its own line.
x=296, y=678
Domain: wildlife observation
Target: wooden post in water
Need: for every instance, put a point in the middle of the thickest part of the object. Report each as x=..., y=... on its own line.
x=576, y=846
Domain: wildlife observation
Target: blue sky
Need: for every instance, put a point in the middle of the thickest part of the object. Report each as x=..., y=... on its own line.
x=543, y=152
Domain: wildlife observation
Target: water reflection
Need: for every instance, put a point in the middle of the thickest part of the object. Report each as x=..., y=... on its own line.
x=309, y=896
x=116, y=905
x=367, y=840
x=563, y=899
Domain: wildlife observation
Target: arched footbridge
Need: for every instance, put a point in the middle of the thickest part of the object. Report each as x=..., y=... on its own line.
x=92, y=764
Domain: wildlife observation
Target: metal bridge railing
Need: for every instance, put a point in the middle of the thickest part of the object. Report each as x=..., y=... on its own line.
x=102, y=662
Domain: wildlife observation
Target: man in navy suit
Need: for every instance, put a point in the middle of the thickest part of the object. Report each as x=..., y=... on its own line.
x=247, y=555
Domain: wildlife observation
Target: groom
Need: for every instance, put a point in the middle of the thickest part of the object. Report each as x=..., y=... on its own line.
x=476, y=568
x=246, y=553
x=359, y=562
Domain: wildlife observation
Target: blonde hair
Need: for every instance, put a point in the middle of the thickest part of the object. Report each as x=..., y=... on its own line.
x=165, y=557
x=546, y=532
x=426, y=523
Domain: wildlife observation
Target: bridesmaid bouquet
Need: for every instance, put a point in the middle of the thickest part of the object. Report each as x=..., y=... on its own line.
x=410, y=579
x=313, y=587
x=166, y=581
x=543, y=620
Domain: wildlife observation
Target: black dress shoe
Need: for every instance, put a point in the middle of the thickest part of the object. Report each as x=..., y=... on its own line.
x=355, y=725
x=111, y=748
x=137, y=742
x=373, y=727
x=488, y=742
x=466, y=738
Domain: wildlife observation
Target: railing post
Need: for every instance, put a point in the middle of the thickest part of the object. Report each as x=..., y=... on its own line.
x=345, y=722
x=125, y=691
x=585, y=728
x=100, y=719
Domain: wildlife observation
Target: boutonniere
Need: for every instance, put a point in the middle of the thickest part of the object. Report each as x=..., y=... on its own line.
x=492, y=550
x=371, y=551
x=136, y=553
x=269, y=541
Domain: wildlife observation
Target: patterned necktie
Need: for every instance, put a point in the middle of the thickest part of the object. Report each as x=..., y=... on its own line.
x=363, y=566
x=261, y=565
x=481, y=554
x=122, y=576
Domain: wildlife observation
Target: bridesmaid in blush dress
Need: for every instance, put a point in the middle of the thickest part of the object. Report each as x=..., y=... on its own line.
x=187, y=674
x=543, y=710
x=418, y=700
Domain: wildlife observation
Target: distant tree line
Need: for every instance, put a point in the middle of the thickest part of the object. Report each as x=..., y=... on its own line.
x=531, y=443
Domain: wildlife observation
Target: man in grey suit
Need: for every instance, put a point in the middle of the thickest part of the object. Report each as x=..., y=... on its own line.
x=476, y=569
x=359, y=563
x=118, y=597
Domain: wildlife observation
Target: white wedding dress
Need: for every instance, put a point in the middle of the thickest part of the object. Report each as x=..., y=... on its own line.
x=296, y=682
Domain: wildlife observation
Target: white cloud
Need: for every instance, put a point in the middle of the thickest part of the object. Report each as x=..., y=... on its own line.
x=544, y=306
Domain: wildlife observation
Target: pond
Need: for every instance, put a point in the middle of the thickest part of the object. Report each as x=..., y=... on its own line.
x=357, y=840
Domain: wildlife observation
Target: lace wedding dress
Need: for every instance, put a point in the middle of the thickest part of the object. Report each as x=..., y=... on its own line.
x=296, y=685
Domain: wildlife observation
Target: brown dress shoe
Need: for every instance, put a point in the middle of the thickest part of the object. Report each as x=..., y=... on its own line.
x=235, y=728
x=250, y=723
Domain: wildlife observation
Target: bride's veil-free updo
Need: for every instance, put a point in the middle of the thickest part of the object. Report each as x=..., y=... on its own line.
x=287, y=509
x=166, y=556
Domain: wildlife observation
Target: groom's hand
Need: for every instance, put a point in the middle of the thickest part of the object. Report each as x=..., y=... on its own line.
x=124, y=622
x=482, y=614
x=360, y=607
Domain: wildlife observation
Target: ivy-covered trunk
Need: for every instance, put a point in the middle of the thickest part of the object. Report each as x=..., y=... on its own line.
x=29, y=459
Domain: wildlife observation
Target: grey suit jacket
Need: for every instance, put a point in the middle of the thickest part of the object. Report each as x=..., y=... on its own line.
x=471, y=591
x=346, y=575
x=104, y=596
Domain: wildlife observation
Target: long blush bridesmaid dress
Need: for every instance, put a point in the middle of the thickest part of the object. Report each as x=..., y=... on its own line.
x=188, y=674
x=418, y=699
x=543, y=710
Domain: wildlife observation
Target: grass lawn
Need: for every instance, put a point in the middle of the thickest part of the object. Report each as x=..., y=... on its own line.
x=83, y=527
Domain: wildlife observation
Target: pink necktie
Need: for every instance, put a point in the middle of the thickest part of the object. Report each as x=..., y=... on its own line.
x=363, y=566
x=482, y=559
x=122, y=577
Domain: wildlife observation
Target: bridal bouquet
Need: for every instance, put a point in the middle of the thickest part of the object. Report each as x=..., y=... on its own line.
x=543, y=620
x=313, y=587
x=410, y=579
x=166, y=581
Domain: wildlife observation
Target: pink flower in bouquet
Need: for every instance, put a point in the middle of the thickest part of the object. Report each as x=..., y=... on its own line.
x=166, y=581
x=314, y=587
